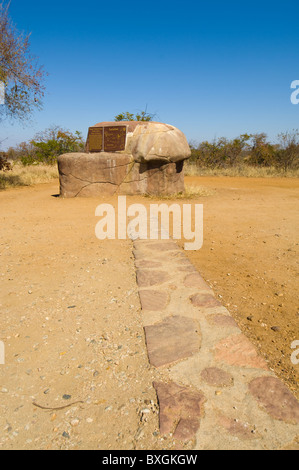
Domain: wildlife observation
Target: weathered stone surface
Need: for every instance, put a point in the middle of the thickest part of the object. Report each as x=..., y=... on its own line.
x=161, y=178
x=237, y=350
x=147, y=278
x=149, y=161
x=217, y=377
x=173, y=339
x=148, y=264
x=153, y=300
x=187, y=269
x=101, y=172
x=164, y=246
x=152, y=141
x=180, y=409
x=204, y=300
x=195, y=280
x=236, y=427
x=222, y=320
x=158, y=141
x=94, y=174
x=275, y=398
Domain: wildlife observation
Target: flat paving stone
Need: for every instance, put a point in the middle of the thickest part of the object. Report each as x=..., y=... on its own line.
x=204, y=300
x=180, y=409
x=147, y=278
x=153, y=300
x=144, y=263
x=171, y=340
x=186, y=269
x=237, y=350
x=217, y=377
x=221, y=320
x=275, y=398
x=164, y=246
x=236, y=428
x=195, y=280
x=249, y=408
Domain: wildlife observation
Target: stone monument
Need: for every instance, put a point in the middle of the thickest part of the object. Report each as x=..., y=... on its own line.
x=127, y=158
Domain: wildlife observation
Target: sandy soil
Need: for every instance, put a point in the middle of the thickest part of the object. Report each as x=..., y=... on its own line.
x=70, y=313
x=250, y=258
x=72, y=330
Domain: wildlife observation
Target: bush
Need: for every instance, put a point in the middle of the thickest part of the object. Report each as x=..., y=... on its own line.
x=4, y=163
x=47, y=146
x=55, y=141
x=287, y=155
x=250, y=150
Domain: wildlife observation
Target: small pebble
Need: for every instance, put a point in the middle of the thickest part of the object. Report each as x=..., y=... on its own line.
x=275, y=328
x=75, y=422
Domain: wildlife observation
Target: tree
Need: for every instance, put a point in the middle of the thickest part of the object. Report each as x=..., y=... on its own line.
x=55, y=141
x=221, y=153
x=4, y=164
x=19, y=71
x=261, y=151
x=287, y=156
x=142, y=116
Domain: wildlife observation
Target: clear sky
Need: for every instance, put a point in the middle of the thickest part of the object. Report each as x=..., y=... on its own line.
x=210, y=68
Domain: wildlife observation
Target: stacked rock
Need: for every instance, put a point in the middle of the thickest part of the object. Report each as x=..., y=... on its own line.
x=128, y=157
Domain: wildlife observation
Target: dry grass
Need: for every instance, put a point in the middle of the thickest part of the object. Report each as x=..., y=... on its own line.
x=191, y=192
x=191, y=169
x=27, y=175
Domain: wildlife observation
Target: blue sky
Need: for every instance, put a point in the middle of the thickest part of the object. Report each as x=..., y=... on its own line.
x=211, y=69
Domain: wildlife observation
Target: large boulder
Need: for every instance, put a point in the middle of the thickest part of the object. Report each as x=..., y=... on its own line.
x=150, y=141
x=146, y=158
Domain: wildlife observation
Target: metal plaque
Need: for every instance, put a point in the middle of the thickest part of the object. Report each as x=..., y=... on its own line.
x=95, y=137
x=115, y=138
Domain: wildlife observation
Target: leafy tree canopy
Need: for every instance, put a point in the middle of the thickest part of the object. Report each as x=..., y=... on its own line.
x=141, y=116
x=20, y=72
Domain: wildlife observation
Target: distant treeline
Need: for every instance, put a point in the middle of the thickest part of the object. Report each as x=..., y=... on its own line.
x=44, y=148
x=247, y=149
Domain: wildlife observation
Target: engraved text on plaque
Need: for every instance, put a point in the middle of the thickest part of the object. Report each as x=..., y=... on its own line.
x=107, y=139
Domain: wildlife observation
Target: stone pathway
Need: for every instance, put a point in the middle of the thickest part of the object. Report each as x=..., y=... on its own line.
x=218, y=392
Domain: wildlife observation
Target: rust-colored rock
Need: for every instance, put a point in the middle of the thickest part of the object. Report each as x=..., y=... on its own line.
x=217, y=377
x=236, y=428
x=222, y=320
x=180, y=410
x=204, y=300
x=237, y=350
x=275, y=398
x=164, y=246
x=144, y=263
x=147, y=278
x=153, y=300
x=171, y=340
x=195, y=280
